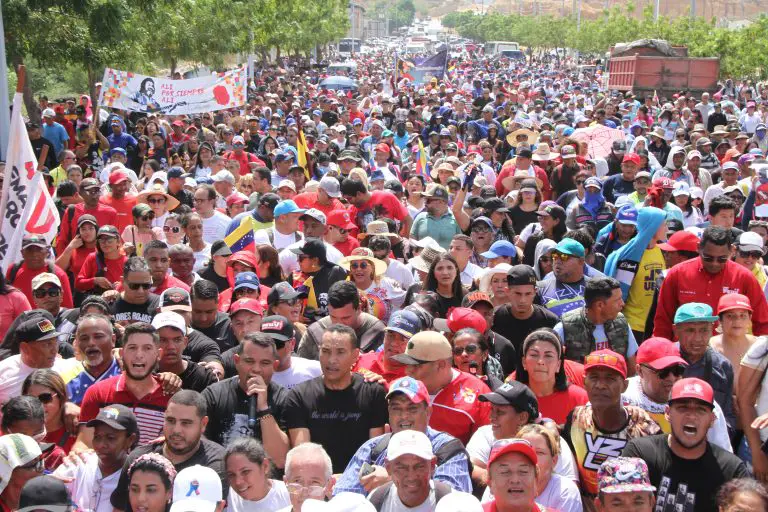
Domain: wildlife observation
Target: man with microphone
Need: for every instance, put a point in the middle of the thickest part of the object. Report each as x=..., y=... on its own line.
x=250, y=404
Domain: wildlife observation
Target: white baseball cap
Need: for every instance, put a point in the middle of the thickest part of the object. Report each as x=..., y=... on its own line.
x=750, y=241
x=169, y=319
x=196, y=488
x=16, y=450
x=287, y=183
x=410, y=442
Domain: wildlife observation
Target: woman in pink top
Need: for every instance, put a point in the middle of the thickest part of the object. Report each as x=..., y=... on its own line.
x=12, y=303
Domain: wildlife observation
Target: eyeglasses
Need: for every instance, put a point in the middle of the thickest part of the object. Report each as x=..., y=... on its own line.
x=136, y=286
x=36, y=465
x=469, y=349
x=45, y=398
x=677, y=371
x=160, y=200
x=362, y=265
x=601, y=359
x=291, y=302
x=750, y=254
x=710, y=259
x=309, y=490
x=53, y=291
x=481, y=229
x=147, y=217
x=169, y=229
x=560, y=256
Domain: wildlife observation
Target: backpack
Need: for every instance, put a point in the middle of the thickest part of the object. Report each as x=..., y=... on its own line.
x=15, y=270
x=379, y=495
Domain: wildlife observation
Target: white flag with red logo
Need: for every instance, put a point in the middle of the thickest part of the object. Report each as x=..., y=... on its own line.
x=26, y=206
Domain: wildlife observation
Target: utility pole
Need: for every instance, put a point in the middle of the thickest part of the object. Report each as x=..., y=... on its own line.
x=693, y=8
x=578, y=18
x=5, y=110
x=656, y=11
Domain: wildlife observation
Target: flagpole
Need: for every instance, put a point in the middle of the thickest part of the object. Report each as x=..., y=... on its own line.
x=5, y=111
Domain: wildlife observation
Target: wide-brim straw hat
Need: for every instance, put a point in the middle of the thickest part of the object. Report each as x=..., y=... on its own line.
x=364, y=254
x=533, y=136
x=377, y=227
x=158, y=190
x=426, y=258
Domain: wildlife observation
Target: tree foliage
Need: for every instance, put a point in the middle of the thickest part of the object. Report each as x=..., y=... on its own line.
x=742, y=52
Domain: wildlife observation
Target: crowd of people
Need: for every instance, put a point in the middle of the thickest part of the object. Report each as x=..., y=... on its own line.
x=404, y=297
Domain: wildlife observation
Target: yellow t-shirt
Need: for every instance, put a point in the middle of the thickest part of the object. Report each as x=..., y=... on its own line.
x=643, y=287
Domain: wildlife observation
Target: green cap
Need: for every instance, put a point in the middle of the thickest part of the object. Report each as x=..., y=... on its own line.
x=694, y=312
x=570, y=246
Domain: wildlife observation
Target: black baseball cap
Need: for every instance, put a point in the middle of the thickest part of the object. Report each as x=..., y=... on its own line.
x=175, y=172
x=220, y=248
x=270, y=199
x=34, y=241
x=45, y=493
x=87, y=219
x=108, y=230
x=279, y=328
x=311, y=248
x=36, y=329
x=525, y=153
x=282, y=291
x=117, y=416
x=516, y=394
x=495, y=204
x=175, y=299
x=521, y=275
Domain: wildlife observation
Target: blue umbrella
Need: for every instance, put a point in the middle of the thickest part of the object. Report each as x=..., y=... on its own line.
x=339, y=83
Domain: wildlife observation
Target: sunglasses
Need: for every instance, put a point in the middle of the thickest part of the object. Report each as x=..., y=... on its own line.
x=601, y=359
x=750, y=254
x=481, y=229
x=169, y=229
x=710, y=259
x=469, y=349
x=362, y=265
x=560, y=256
x=677, y=371
x=54, y=291
x=45, y=398
x=147, y=217
x=136, y=286
x=157, y=201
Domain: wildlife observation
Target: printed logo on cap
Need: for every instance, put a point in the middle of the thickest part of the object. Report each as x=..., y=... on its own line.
x=273, y=324
x=111, y=413
x=194, y=488
x=175, y=297
x=45, y=326
x=694, y=388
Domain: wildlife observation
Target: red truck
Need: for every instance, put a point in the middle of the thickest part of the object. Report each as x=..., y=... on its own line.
x=652, y=65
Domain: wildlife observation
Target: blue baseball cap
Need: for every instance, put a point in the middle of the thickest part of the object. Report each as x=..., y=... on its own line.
x=283, y=156
x=404, y=322
x=500, y=248
x=204, y=180
x=118, y=150
x=357, y=121
x=593, y=182
x=376, y=175
x=694, y=312
x=627, y=214
x=571, y=247
x=246, y=280
x=286, y=207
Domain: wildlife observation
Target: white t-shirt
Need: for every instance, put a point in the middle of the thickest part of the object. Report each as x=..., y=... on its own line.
x=393, y=503
x=400, y=273
x=202, y=257
x=289, y=261
x=90, y=491
x=756, y=359
x=470, y=273
x=479, y=447
x=301, y=370
x=276, y=499
x=215, y=227
x=281, y=241
x=13, y=372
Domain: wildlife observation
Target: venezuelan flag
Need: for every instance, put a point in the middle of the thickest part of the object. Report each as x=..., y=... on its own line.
x=421, y=162
x=242, y=237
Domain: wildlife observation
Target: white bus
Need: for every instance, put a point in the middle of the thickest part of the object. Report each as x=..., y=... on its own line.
x=507, y=49
x=349, y=46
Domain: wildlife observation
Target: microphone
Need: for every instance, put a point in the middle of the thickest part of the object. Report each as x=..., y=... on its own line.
x=473, y=367
x=252, y=411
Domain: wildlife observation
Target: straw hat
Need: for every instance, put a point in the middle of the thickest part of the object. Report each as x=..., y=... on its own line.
x=488, y=273
x=158, y=190
x=719, y=131
x=530, y=134
x=359, y=174
x=520, y=174
x=377, y=227
x=658, y=132
x=364, y=254
x=426, y=258
x=543, y=153
x=442, y=167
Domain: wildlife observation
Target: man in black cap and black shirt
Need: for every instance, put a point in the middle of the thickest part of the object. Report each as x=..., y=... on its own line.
x=315, y=268
x=228, y=401
x=172, y=330
x=521, y=316
x=291, y=369
x=216, y=270
x=207, y=318
x=176, y=187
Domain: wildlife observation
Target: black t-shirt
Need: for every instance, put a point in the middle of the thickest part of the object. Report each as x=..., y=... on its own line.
x=228, y=410
x=338, y=420
x=185, y=197
x=503, y=351
x=209, y=454
x=516, y=330
x=228, y=361
x=50, y=160
x=329, y=117
x=201, y=348
x=684, y=484
x=122, y=311
x=197, y=377
x=443, y=303
x=211, y=275
x=521, y=218
x=220, y=332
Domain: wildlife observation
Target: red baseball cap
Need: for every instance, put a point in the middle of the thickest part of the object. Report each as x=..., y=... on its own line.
x=664, y=183
x=246, y=304
x=606, y=359
x=382, y=147
x=731, y=301
x=461, y=318
x=178, y=123
x=59, y=109
x=692, y=388
x=414, y=389
x=117, y=177
x=236, y=197
x=631, y=157
x=681, y=241
x=659, y=353
x=505, y=446
x=340, y=219
x=473, y=149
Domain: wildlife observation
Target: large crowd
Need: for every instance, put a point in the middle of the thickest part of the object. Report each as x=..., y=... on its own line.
x=401, y=297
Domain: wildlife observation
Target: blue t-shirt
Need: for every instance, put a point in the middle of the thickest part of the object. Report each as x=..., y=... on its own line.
x=559, y=297
x=77, y=387
x=58, y=136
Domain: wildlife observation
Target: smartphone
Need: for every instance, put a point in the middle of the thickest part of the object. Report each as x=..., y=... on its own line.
x=366, y=469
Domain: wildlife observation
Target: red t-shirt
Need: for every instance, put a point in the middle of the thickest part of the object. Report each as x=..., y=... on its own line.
x=347, y=246
x=373, y=361
x=490, y=506
x=381, y=204
x=105, y=215
x=113, y=271
x=78, y=258
x=149, y=410
x=243, y=159
x=457, y=410
x=169, y=282
x=24, y=278
x=123, y=207
x=557, y=405
x=309, y=200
